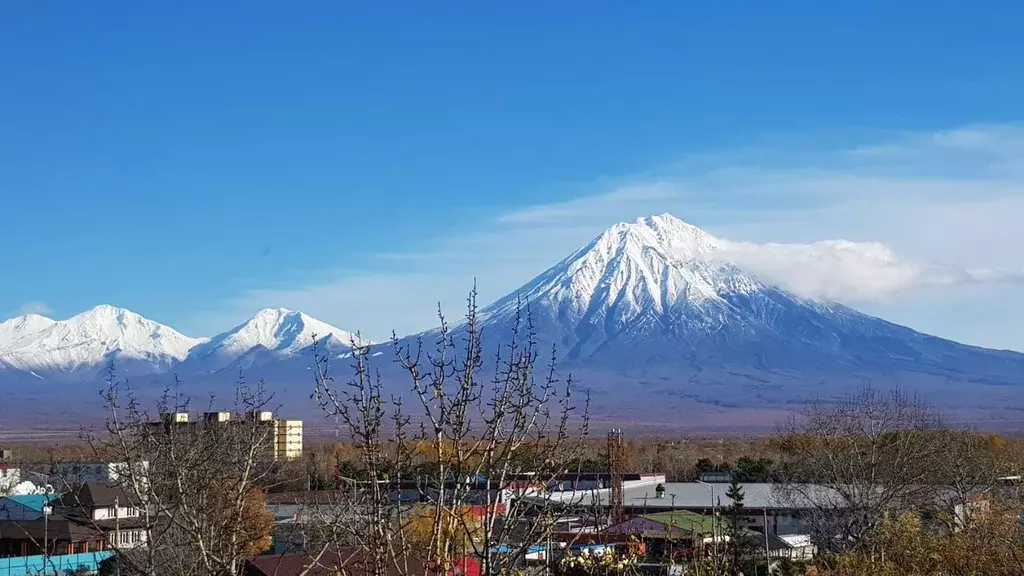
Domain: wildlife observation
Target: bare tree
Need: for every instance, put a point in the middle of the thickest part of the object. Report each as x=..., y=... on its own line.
x=969, y=468
x=495, y=443
x=197, y=485
x=853, y=460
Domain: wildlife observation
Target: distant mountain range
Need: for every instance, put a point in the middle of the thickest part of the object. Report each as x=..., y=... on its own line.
x=647, y=316
x=85, y=344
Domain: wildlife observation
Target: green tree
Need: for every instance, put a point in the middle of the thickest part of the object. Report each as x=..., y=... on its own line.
x=751, y=470
x=739, y=543
x=704, y=465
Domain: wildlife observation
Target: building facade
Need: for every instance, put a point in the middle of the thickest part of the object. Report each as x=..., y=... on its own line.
x=70, y=475
x=284, y=436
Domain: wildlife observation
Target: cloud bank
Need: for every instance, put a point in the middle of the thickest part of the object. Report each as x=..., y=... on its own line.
x=35, y=308
x=849, y=271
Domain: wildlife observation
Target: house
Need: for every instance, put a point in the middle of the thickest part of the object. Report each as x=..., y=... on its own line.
x=24, y=507
x=52, y=545
x=56, y=534
x=107, y=509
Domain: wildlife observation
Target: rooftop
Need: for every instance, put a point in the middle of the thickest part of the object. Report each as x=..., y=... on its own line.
x=54, y=528
x=697, y=496
x=33, y=501
x=92, y=495
x=688, y=522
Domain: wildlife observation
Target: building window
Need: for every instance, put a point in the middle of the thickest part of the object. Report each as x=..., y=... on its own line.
x=136, y=537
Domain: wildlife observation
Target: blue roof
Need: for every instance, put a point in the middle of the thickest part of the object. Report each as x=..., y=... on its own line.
x=33, y=501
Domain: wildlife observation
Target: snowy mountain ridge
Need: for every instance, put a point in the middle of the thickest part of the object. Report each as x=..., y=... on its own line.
x=275, y=331
x=40, y=345
x=36, y=343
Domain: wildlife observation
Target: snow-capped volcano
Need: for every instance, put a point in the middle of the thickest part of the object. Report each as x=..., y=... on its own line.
x=657, y=277
x=655, y=300
x=632, y=272
x=37, y=344
x=271, y=333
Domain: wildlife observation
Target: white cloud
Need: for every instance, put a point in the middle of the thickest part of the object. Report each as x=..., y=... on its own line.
x=35, y=308
x=924, y=210
x=849, y=271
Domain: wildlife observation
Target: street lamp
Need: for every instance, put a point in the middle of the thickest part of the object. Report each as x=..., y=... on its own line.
x=714, y=522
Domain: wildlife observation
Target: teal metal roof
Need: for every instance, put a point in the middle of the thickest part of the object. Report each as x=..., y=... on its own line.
x=33, y=501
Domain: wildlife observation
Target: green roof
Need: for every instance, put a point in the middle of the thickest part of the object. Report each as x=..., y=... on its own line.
x=689, y=522
x=693, y=523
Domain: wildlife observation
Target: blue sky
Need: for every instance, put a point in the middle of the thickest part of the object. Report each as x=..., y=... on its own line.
x=361, y=161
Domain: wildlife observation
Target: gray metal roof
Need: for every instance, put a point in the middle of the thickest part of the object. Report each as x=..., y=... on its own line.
x=697, y=496
x=755, y=495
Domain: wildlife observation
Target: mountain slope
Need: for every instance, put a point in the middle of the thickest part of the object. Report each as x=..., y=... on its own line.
x=650, y=307
x=89, y=340
x=273, y=333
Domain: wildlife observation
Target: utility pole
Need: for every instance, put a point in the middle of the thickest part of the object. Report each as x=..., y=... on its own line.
x=767, y=554
x=47, y=510
x=714, y=523
x=117, y=525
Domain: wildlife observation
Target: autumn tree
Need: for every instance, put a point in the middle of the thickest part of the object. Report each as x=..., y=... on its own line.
x=460, y=528
x=251, y=520
x=902, y=545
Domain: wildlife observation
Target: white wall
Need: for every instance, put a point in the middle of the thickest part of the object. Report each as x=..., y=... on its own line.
x=122, y=512
x=124, y=539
